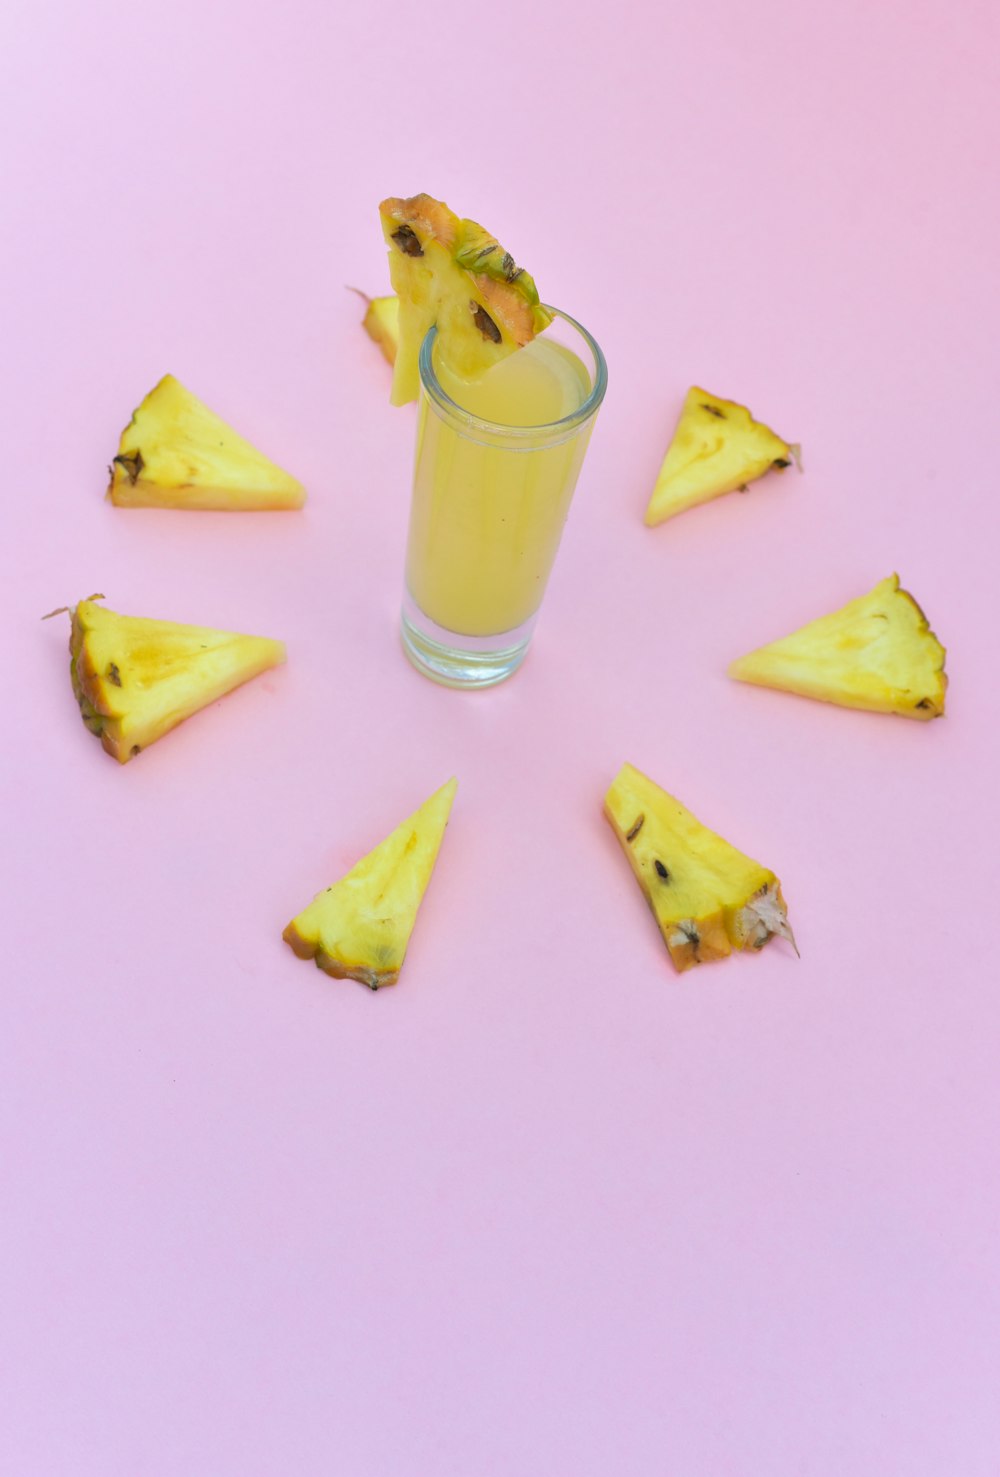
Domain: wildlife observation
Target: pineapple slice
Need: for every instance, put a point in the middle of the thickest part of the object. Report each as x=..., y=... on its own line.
x=359, y=928
x=381, y=323
x=877, y=652
x=176, y=453
x=135, y=679
x=453, y=273
x=707, y=897
x=718, y=447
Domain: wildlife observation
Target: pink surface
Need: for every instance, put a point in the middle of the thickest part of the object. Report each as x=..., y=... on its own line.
x=544, y=1208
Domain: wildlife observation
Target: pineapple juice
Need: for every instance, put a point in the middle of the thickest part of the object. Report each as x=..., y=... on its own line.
x=488, y=508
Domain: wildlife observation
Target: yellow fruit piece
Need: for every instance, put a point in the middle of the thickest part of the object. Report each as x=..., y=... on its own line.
x=381, y=323
x=359, y=928
x=718, y=447
x=135, y=679
x=707, y=897
x=877, y=652
x=176, y=453
x=453, y=273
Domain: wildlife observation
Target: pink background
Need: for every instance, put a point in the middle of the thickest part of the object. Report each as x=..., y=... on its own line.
x=545, y=1208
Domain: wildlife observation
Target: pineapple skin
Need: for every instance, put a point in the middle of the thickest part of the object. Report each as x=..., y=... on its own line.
x=305, y=946
x=713, y=898
x=177, y=453
x=452, y=272
x=373, y=977
x=106, y=672
x=716, y=448
x=359, y=928
x=876, y=653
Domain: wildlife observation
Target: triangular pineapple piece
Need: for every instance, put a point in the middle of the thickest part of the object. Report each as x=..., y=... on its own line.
x=176, y=453
x=381, y=322
x=454, y=273
x=707, y=897
x=876, y=652
x=718, y=447
x=359, y=928
x=135, y=679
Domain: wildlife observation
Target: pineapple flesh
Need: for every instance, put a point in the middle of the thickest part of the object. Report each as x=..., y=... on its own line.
x=707, y=897
x=176, y=453
x=453, y=273
x=381, y=323
x=135, y=679
x=359, y=928
x=877, y=652
x=717, y=448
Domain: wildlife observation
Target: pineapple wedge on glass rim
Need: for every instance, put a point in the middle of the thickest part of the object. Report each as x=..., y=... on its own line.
x=176, y=453
x=453, y=273
x=359, y=927
x=717, y=448
x=135, y=679
x=707, y=897
x=877, y=652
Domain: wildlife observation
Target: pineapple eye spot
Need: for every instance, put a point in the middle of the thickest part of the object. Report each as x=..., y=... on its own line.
x=661, y=870
x=719, y=414
x=485, y=324
x=114, y=675
x=636, y=827
x=131, y=463
x=407, y=241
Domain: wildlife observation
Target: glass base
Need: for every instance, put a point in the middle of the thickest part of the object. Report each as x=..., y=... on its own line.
x=461, y=661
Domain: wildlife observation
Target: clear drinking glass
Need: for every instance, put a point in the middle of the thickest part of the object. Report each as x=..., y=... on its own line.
x=489, y=504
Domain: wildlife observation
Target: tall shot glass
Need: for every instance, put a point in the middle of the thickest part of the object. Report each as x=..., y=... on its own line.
x=488, y=509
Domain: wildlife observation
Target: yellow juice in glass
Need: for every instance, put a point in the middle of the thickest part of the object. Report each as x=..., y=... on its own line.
x=496, y=467
x=487, y=513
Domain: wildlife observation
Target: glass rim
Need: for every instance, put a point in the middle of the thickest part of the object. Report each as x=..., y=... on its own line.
x=435, y=391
